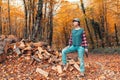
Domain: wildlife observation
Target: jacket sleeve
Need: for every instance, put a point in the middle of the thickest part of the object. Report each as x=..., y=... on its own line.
x=70, y=40
x=84, y=40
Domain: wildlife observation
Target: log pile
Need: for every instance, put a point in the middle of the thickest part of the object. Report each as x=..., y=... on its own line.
x=38, y=52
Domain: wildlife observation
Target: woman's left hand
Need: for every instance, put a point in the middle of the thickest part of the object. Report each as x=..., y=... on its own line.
x=86, y=52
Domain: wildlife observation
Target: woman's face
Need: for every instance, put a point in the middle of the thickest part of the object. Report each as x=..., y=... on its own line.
x=75, y=23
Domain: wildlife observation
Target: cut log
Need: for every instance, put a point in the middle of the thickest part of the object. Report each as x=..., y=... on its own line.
x=76, y=66
x=40, y=44
x=57, y=53
x=71, y=61
x=71, y=68
x=35, y=58
x=17, y=50
x=27, y=48
x=60, y=78
x=6, y=48
x=45, y=51
x=40, y=56
x=54, y=68
x=40, y=50
x=50, y=60
x=66, y=67
x=59, y=69
x=44, y=73
x=22, y=45
x=54, y=59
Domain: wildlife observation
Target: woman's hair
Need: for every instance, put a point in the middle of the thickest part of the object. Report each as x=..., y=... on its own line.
x=79, y=23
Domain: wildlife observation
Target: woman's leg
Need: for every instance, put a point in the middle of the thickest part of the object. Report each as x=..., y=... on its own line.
x=65, y=51
x=81, y=51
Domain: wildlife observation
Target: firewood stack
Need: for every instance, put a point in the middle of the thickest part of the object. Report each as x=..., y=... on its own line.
x=39, y=52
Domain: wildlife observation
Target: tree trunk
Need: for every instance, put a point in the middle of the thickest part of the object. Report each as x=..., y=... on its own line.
x=37, y=26
x=29, y=17
x=106, y=23
x=9, y=17
x=83, y=9
x=102, y=28
x=44, y=25
x=0, y=18
x=51, y=23
x=116, y=35
x=33, y=15
x=95, y=27
x=25, y=10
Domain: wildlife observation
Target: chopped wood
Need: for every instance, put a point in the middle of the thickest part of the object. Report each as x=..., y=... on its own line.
x=44, y=73
x=57, y=53
x=71, y=68
x=22, y=45
x=60, y=78
x=46, y=57
x=47, y=52
x=39, y=44
x=50, y=60
x=17, y=50
x=40, y=56
x=71, y=61
x=59, y=69
x=27, y=57
x=40, y=49
x=27, y=48
x=54, y=68
x=66, y=67
x=35, y=58
x=76, y=66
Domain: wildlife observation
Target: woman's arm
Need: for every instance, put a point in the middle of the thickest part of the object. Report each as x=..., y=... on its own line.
x=84, y=41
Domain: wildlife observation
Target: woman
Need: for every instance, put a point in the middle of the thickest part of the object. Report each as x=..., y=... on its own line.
x=77, y=43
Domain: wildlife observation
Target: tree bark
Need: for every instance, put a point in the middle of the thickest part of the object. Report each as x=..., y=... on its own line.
x=9, y=17
x=25, y=10
x=44, y=25
x=29, y=17
x=0, y=18
x=51, y=23
x=37, y=27
x=116, y=35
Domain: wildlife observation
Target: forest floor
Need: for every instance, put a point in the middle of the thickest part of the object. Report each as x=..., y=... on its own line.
x=98, y=67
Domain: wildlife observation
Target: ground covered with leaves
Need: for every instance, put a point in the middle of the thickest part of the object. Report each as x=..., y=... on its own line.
x=98, y=67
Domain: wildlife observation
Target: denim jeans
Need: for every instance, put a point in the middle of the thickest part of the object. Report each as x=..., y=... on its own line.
x=80, y=51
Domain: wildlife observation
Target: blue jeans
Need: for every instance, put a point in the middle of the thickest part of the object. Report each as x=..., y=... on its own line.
x=80, y=51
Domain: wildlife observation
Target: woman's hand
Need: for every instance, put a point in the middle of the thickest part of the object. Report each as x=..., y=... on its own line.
x=86, y=52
